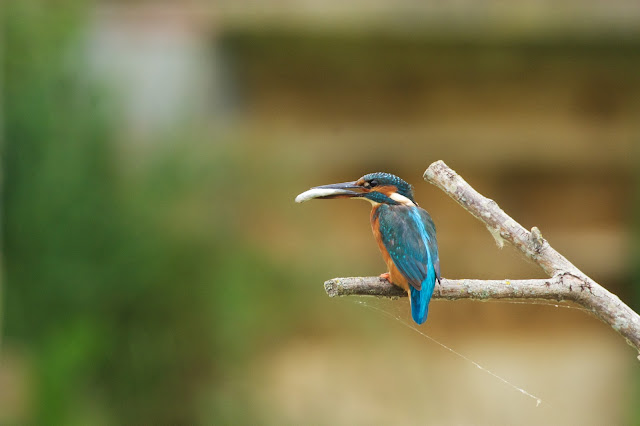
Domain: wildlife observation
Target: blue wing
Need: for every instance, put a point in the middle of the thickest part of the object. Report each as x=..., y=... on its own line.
x=409, y=235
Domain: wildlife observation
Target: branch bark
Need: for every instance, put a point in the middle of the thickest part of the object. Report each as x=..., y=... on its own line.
x=566, y=281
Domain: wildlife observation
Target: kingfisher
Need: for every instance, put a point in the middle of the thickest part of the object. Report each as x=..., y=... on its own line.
x=405, y=233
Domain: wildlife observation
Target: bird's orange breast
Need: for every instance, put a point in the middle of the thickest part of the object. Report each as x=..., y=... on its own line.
x=395, y=275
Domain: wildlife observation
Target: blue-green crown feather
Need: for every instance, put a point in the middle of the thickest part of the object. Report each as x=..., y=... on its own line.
x=388, y=179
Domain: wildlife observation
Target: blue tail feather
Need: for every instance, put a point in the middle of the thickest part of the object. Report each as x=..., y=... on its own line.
x=420, y=298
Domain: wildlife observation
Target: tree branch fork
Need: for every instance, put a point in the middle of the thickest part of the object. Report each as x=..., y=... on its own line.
x=565, y=283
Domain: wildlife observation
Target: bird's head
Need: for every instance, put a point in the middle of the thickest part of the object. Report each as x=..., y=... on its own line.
x=377, y=188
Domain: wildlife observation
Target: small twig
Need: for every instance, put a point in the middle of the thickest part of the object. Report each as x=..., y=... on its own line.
x=567, y=282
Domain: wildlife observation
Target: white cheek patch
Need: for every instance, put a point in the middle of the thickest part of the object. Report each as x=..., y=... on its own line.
x=320, y=192
x=402, y=199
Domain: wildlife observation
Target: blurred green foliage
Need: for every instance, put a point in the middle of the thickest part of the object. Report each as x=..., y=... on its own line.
x=128, y=315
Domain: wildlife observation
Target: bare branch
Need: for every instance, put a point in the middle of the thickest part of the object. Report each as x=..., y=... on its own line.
x=549, y=289
x=567, y=282
x=499, y=224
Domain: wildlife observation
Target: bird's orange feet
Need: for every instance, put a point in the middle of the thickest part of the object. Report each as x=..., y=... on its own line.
x=385, y=276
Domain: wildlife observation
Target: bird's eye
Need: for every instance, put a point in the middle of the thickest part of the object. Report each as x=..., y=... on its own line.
x=373, y=183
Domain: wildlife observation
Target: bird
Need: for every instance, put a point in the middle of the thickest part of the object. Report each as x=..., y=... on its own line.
x=405, y=233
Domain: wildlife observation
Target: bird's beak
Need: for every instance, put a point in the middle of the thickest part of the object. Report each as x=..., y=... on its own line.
x=335, y=190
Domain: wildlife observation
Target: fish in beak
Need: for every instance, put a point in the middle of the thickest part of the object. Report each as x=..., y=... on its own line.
x=334, y=190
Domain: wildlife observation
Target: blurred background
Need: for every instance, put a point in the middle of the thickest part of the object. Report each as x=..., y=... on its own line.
x=157, y=271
